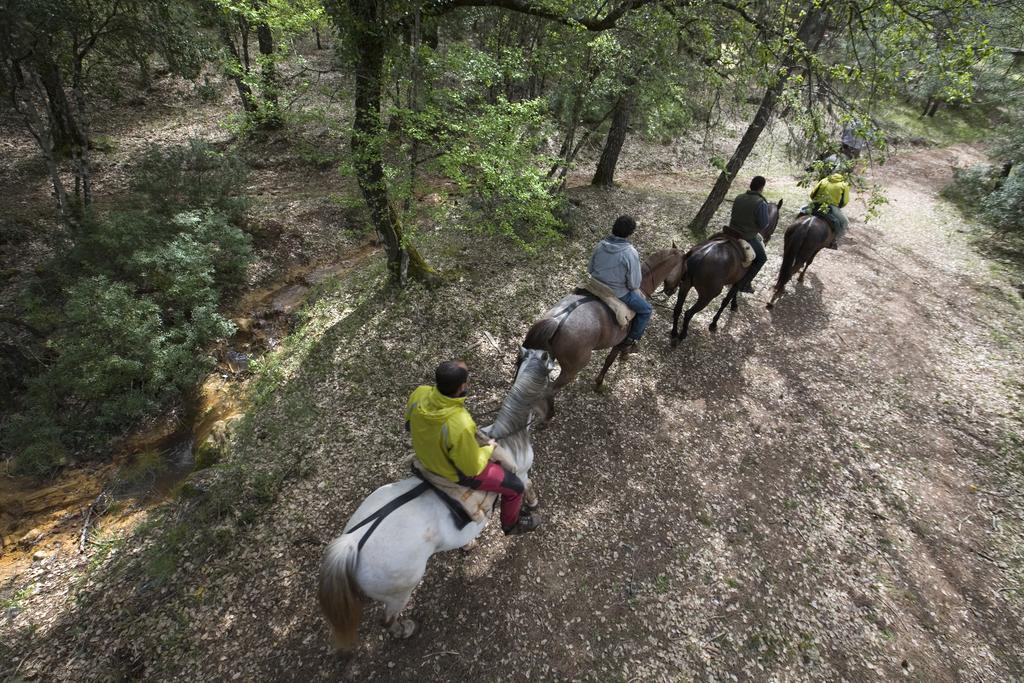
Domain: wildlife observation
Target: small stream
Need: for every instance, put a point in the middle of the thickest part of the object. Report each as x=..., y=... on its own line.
x=149, y=465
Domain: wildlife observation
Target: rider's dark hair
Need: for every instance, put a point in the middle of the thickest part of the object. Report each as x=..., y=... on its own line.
x=449, y=376
x=624, y=226
x=757, y=184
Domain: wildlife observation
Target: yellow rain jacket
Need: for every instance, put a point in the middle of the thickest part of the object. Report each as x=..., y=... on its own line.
x=444, y=434
x=832, y=190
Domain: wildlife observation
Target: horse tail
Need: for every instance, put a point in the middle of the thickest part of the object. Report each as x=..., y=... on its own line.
x=340, y=600
x=794, y=243
x=540, y=334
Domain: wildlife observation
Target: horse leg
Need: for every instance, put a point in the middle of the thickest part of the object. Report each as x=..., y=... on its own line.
x=684, y=290
x=729, y=297
x=806, y=266
x=530, y=498
x=612, y=355
x=393, y=606
x=702, y=301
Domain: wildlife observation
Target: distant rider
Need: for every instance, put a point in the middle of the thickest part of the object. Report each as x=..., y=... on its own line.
x=828, y=198
x=444, y=439
x=749, y=218
x=616, y=263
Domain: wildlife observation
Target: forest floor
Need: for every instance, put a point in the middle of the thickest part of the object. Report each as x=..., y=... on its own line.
x=832, y=490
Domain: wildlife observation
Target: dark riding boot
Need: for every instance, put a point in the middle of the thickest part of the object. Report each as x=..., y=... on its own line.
x=527, y=522
x=629, y=346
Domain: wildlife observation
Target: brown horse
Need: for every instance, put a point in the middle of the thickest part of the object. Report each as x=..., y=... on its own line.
x=710, y=266
x=579, y=324
x=803, y=240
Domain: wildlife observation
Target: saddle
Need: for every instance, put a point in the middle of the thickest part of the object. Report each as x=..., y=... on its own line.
x=466, y=504
x=742, y=247
x=623, y=313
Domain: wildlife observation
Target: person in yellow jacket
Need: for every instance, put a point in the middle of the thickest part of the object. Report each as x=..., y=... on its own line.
x=444, y=440
x=829, y=196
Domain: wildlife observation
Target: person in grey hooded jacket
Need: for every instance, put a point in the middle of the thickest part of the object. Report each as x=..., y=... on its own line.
x=616, y=263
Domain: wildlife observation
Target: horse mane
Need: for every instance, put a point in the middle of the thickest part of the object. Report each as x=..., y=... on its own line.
x=650, y=264
x=530, y=385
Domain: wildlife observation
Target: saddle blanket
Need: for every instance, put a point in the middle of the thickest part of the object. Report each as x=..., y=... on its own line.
x=623, y=313
x=746, y=251
x=477, y=504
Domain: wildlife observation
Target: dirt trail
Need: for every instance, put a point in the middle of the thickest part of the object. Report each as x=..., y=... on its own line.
x=820, y=492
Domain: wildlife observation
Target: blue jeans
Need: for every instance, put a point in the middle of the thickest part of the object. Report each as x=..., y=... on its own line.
x=637, y=302
x=760, y=258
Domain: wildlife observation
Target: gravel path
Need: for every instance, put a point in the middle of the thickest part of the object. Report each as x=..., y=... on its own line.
x=828, y=491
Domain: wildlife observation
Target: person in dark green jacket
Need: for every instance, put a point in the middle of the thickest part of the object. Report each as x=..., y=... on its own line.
x=444, y=440
x=749, y=217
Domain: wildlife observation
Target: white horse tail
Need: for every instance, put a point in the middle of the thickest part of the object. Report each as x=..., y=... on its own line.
x=340, y=599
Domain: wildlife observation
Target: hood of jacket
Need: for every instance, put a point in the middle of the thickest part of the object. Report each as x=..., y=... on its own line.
x=436, y=408
x=614, y=245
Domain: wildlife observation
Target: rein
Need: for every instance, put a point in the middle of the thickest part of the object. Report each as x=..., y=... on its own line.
x=377, y=517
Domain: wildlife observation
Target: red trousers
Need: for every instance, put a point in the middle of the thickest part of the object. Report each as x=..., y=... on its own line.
x=496, y=479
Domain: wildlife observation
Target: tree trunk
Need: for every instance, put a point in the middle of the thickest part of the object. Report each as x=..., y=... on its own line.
x=812, y=27
x=268, y=77
x=244, y=91
x=367, y=144
x=27, y=80
x=65, y=134
x=698, y=226
x=605, y=173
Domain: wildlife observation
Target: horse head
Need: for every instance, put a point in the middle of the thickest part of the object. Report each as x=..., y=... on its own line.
x=671, y=280
x=528, y=396
x=774, y=210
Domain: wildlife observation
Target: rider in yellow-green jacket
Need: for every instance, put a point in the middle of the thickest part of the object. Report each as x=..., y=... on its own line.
x=444, y=439
x=830, y=195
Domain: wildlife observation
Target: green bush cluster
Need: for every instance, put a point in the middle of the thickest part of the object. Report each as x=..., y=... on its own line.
x=131, y=307
x=995, y=193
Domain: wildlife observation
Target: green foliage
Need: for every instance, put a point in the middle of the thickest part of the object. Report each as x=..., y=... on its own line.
x=490, y=156
x=239, y=22
x=131, y=308
x=195, y=175
x=995, y=193
x=1004, y=208
x=972, y=185
x=487, y=147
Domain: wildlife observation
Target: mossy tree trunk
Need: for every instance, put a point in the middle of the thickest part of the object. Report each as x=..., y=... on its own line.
x=368, y=136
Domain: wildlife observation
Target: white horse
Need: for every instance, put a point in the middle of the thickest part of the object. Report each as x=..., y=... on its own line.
x=399, y=526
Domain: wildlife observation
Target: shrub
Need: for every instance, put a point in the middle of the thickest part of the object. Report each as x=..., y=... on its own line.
x=971, y=185
x=191, y=176
x=1004, y=208
x=131, y=308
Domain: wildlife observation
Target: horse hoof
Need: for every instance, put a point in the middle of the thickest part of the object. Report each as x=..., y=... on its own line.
x=713, y=327
x=402, y=629
x=770, y=306
x=471, y=546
